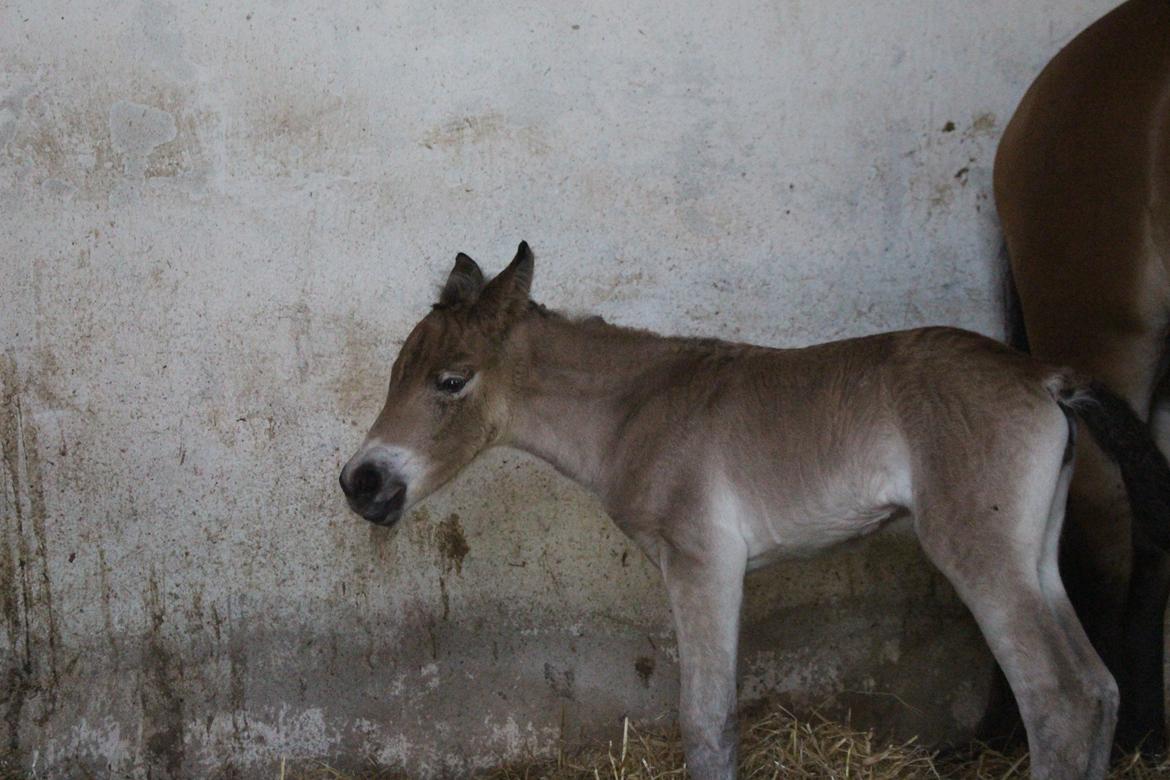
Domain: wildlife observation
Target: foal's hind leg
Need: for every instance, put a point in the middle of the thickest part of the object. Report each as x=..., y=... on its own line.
x=1003, y=564
x=1116, y=582
x=1067, y=699
x=1001, y=722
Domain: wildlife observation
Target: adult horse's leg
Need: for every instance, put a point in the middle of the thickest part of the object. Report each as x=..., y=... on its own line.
x=1004, y=566
x=705, y=588
x=1143, y=718
x=1143, y=721
x=1081, y=191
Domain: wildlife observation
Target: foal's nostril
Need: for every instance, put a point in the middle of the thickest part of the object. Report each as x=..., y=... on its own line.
x=367, y=481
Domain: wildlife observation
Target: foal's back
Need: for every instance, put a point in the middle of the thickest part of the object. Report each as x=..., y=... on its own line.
x=804, y=448
x=918, y=385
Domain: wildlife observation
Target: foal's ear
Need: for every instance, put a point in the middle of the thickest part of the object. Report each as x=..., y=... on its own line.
x=507, y=294
x=463, y=284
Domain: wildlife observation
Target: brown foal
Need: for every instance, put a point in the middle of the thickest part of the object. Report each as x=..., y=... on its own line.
x=718, y=457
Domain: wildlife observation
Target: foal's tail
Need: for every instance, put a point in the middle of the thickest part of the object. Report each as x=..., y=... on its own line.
x=1123, y=437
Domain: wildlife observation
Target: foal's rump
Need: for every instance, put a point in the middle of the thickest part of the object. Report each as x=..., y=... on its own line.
x=987, y=441
x=948, y=425
x=984, y=427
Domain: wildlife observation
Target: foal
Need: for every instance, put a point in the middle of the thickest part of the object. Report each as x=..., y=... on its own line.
x=717, y=458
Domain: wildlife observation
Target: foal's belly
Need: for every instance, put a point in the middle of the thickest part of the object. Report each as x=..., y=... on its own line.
x=811, y=537
x=786, y=519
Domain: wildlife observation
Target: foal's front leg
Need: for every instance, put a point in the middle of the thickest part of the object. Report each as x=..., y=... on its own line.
x=706, y=590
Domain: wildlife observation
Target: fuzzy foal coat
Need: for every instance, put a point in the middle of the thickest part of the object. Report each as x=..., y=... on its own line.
x=718, y=457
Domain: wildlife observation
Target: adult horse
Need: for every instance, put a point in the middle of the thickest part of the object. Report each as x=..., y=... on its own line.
x=1082, y=185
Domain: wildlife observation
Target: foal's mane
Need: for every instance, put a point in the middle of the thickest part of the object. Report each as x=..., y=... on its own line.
x=674, y=344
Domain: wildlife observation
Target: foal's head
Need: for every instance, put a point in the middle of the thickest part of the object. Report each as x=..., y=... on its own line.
x=447, y=400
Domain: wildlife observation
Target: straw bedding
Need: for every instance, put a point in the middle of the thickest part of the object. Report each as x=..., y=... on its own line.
x=773, y=744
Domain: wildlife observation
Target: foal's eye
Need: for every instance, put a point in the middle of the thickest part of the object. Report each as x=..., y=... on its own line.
x=452, y=384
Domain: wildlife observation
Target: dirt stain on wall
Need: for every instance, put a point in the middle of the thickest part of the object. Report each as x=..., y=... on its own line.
x=644, y=666
x=563, y=682
x=464, y=130
x=359, y=385
x=18, y=672
x=453, y=548
x=452, y=544
x=26, y=600
x=238, y=686
x=160, y=695
x=983, y=124
x=469, y=132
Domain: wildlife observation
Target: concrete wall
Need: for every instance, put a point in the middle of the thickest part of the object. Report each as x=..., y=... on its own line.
x=219, y=220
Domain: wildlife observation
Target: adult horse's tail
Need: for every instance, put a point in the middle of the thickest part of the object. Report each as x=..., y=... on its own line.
x=1126, y=440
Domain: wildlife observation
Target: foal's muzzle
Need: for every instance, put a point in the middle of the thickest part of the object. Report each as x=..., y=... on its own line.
x=374, y=492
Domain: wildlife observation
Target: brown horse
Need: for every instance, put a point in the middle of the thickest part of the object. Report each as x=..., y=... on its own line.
x=717, y=458
x=1082, y=184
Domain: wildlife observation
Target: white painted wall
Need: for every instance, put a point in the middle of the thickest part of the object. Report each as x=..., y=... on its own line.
x=218, y=221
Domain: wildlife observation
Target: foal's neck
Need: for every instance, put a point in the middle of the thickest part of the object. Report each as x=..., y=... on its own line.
x=579, y=382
